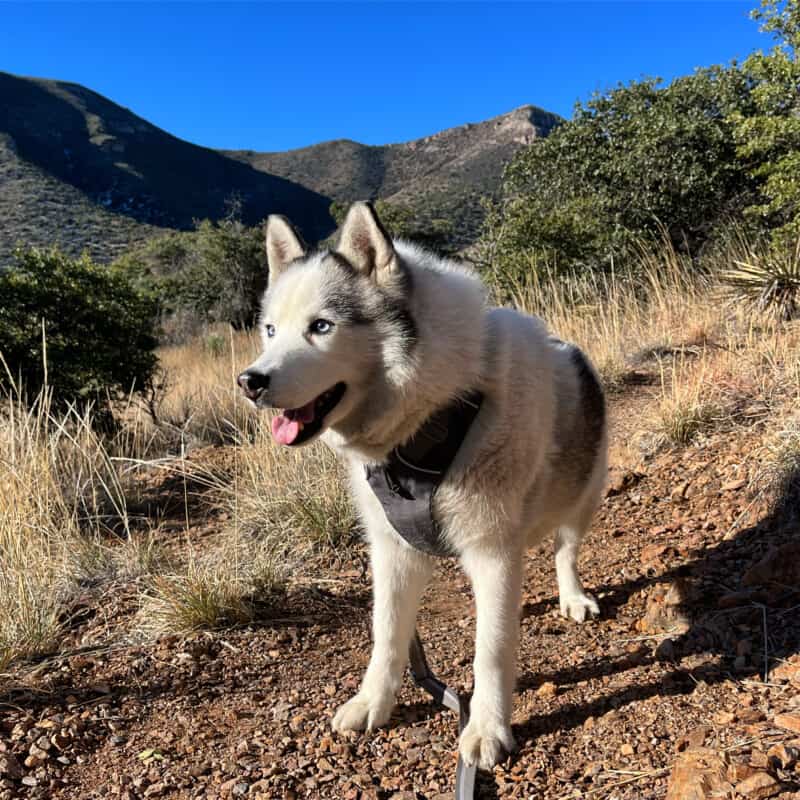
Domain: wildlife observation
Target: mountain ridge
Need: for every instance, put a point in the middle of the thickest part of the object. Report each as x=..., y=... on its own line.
x=83, y=172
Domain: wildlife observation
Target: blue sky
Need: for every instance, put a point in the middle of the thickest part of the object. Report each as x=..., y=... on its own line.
x=275, y=76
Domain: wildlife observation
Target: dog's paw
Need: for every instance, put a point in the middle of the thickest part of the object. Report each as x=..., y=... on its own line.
x=579, y=606
x=485, y=743
x=363, y=712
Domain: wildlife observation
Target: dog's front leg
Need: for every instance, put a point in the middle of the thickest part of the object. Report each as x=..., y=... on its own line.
x=399, y=577
x=496, y=576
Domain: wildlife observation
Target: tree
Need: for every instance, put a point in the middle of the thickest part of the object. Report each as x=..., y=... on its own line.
x=633, y=162
x=769, y=137
x=217, y=273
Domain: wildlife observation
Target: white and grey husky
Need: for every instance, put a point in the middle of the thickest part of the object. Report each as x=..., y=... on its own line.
x=365, y=343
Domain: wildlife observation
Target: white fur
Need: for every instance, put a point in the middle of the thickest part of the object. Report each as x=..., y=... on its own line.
x=512, y=482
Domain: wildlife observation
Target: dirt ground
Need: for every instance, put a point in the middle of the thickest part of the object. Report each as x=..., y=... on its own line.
x=696, y=652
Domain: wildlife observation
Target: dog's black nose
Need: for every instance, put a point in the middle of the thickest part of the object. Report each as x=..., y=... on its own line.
x=253, y=383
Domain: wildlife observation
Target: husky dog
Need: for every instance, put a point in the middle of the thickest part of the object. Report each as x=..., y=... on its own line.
x=362, y=344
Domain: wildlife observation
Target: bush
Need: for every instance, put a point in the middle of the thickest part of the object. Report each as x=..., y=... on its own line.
x=769, y=137
x=76, y=327
x=636, y=162
x=216, y=273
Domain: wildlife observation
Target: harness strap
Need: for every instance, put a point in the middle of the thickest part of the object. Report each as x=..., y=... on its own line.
x=406, y=484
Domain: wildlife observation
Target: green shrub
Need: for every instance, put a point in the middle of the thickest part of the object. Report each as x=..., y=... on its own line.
x=216, y=273
x=77, y=327
x=769, y=136
x=768, y=280
x=638, y=162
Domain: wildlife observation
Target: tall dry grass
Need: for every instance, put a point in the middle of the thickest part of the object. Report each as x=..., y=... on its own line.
x=61, y=495
x=270, y=516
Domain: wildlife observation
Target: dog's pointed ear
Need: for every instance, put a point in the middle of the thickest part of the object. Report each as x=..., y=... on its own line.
x=284, y=245
x=365, y=243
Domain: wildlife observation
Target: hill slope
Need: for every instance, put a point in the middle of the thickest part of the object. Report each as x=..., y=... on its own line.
x=79, y=150
x=443, y=175
x=78, y=170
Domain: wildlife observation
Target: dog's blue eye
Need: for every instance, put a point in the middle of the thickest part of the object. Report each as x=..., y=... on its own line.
x=321, y=326
x=270, y=329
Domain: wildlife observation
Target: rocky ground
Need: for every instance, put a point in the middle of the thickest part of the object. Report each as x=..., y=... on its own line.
x=686, y=688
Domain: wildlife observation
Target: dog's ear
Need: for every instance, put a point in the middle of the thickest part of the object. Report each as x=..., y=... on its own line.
x=284, y=245
x=365, y=243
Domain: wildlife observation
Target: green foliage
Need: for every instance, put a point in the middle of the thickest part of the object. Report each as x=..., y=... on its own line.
x=636, y=162
x=769, y=137
x=215, y=274
x=768, y=280
x=93, y=326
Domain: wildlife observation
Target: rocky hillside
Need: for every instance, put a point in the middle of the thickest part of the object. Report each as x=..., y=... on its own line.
x=80, y=171
x=443, y=175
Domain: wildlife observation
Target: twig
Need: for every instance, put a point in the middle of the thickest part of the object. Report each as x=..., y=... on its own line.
x=656, y=773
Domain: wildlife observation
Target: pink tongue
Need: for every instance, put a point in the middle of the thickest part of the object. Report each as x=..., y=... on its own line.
x=284, y=430
x=286, y=426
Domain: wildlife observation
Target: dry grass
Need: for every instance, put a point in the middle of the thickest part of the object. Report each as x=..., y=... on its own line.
x=689, y=405
x=281, y=515
x=60, y=494
x=199, y=401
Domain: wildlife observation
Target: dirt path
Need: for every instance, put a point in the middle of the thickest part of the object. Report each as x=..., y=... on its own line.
x=676, y=661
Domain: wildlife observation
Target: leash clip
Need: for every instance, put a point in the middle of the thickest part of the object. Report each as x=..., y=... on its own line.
x=445, y=696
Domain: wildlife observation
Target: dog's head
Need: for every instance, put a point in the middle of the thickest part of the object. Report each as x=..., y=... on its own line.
x=331, y=321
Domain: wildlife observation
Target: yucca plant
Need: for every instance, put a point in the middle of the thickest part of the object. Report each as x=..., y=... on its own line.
x=770, y=281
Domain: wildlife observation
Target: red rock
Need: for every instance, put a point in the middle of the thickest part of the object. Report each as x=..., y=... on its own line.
x=699, y=774
x=759, y=786
x=791, y=722
x=780, y=565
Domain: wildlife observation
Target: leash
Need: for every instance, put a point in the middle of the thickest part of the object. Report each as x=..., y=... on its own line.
x=445, y=696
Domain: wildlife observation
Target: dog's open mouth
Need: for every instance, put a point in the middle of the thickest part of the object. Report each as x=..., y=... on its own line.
x=297, y=425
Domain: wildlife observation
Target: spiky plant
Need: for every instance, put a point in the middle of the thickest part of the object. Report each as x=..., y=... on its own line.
x=769, y=281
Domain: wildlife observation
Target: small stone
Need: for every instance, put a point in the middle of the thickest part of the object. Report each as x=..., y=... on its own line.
x=791, y=722
x=784, y=756
x=329, y=690
x=10, y=766
x=759, y=786
x=29, y=780
x=626, y=750
x=547, y=690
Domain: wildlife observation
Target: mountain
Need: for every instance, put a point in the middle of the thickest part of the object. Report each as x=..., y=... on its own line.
x=443, y=175
x=80, y=171
x=73, y=164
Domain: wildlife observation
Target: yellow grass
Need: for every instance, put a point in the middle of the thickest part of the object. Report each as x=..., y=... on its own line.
x=66, y=494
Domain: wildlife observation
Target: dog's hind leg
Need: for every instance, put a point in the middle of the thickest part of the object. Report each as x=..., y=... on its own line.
x=399, y=577
x=572, y=598
x=496, y=575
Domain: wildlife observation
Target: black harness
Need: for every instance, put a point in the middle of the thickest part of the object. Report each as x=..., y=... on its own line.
x=406, y=484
